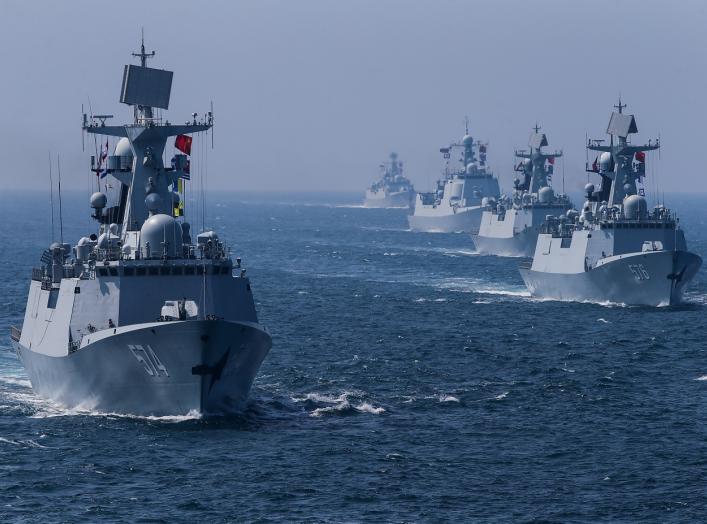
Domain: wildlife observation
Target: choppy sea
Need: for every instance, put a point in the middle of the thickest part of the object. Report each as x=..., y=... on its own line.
x=410, y=380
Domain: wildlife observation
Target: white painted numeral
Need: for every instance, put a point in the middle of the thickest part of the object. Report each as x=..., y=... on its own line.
x=148, y=358
x=639, y=271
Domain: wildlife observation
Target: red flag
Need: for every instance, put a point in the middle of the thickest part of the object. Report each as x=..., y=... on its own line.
x=640, y=156
x=595, y=165
x=183, y=143
x=551, y=159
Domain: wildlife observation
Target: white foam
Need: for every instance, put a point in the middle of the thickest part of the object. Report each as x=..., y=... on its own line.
x=365, y=407
x=501, y=396
x=703, y=377
x=447, y=398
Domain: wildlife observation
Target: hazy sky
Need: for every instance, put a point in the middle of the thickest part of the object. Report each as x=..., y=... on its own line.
x=313, y=94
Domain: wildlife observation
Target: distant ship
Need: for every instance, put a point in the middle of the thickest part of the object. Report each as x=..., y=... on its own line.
x=392, y=189
x=456, y=203
x=510, y=226
x=135, y=318
x=616, y=250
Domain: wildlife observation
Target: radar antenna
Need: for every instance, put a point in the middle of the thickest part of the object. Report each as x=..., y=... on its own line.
x=620, y=106
x=142, y=54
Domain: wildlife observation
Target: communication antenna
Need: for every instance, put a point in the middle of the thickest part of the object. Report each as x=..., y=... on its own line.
x=211, y=119
x=563, y=175
x=51, y=193
x=61, y=219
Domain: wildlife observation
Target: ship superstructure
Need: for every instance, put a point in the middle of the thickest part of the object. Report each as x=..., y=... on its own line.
x=392, y=189
x=456, y=203
x=617, y=250
x=510, y=226
x=136, y=317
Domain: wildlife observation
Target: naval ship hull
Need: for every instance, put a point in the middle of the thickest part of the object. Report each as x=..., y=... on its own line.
x=656, y=278
x=464, y=220
x=382, y=200
x=160, y=368
x=520, y=245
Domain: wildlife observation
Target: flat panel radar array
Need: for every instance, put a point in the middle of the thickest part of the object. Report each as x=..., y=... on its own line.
x=145, y=86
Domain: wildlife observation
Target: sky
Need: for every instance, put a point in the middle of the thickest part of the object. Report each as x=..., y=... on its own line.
x=312, y=95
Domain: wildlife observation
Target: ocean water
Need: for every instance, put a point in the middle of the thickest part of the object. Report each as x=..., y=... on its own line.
x=410, y=380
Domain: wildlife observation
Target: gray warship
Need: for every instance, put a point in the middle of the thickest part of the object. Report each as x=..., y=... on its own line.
x=392, y=189
x=456, y=203
x=135, y=318
x=617, y=250
x=510, y=226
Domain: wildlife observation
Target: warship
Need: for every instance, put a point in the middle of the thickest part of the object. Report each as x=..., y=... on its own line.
x=135, y=318
x=456, y=204
x=617, y=250
x=392, y=189
x=510, y=226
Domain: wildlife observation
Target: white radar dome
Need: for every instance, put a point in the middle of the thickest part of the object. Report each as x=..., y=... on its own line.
x=163, y=234
x=153, y=202
x=635, y=207
x=98, y=200
x=467, y=140
x=606, y=163
x=122, y=148
x=546, y=195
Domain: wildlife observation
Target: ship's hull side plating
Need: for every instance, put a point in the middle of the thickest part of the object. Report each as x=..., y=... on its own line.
x=521, y=244
x=465, y=220
x=160, y=368
x=655, y=278
x=403, y=199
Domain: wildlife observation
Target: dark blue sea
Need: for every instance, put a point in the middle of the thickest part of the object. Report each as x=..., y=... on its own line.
x=410, y=380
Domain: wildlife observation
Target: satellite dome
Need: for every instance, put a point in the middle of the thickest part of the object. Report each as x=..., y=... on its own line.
x=153, y=201
x=627, y=189
x=635, y=207
x=122, y=148
x=485, y=201
x=98, y=200
x=467, y=140
x=606, y=162
x=113, y=228
x=470, y=168
x=572, y=214
x=589, y=189
x=546, y=195
x=163, y=234
x=393, y=155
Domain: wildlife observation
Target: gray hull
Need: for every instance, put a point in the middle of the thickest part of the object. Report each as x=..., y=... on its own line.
x=651, y=279
x=403, y=200
x=161, y=368
x=520, y=245
x=464, y=221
